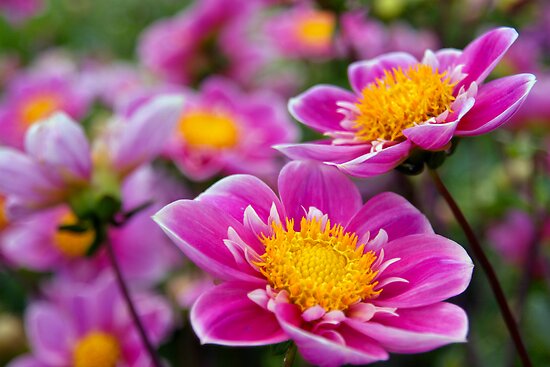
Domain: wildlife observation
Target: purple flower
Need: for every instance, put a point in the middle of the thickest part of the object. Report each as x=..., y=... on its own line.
x=17, y=11
x=347, y=282
x=399, y=104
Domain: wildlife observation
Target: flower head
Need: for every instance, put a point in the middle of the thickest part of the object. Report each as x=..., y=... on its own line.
x=400, y=104
x=347, y=282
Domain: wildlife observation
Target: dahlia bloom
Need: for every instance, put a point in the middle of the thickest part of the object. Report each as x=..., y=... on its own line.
x=37, y=95
x=225, y=130
x=399, y=104
x=347, y=282
x=87, y=324
x=58, y=163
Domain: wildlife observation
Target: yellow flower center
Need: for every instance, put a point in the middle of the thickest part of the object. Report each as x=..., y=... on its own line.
x=318, y=265
x=316, y=29
x=38, y=108
x=208, y=129
x=400, y=100
x=73, y=244
x=97, y=349
x=3, y=217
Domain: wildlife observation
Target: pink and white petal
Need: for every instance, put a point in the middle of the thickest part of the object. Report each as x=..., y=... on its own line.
x=376, y=163
x=146, y=134
x=323, y=151
x=303, y=184
x=225, y=315
x=362, y=73
x=60, y=143
x=392, y=213
x=496, y=102
x=235, y=193
x=50, y=334
x=27, y=360
x=318, y=107
x=199, y=230
x=436, y=136
x=447, y=58
x=482, y=55
x=417, y=330
x=26, y=247
x=324, y=351
x=435, y=268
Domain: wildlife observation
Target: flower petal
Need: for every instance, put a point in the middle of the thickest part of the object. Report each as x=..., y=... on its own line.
x=447, y=58
x=321, y=151
x=435, y=267
x=362, y=73
x=317, y=107
x=496, y=102
x=417, y=330
x=482, y=55
x=392, y=213
x=27, y=360
x=199, y=230
x=376, y=163
x=303, y=184
x=225, y=315
x=325, y=352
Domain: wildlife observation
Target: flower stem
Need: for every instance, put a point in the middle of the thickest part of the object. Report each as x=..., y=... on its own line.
x=290, y=355
x=480, y=256
x=133, y=313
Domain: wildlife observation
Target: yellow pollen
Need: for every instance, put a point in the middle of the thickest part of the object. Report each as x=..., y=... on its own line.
x=208, y=129
x=97, y=349
x=3, y=217
x=318, y=265
x=316, y=29
x=401, y=99
x=38, y=108
x=73, y=244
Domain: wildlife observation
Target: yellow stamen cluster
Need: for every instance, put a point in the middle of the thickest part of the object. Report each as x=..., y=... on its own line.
x=38, y=108
x=208, y=129
x=73, y=244
x=316, y=29
x=97, y=349
x=3, y=216
x=318, y=265
x=401, y=99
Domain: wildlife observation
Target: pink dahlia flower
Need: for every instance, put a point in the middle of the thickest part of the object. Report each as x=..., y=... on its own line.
x=347, y=282
x=35, y=96
x=225, y=130
x=399, y=104
x=86, y=324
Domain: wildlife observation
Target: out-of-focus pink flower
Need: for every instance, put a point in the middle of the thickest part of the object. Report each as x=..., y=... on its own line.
x=399, y=104
x=17, y=11
x=34, y=96
x=225, y=130
x=187, y=288
x=303, y=32
x=210, y=37
x=87, y=324
x=347, y=282
x=57, y=161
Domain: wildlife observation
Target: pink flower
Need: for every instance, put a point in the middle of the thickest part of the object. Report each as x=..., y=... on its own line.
x=400, y=104
x=34, y=96
x=210, y=37
x=87, y=324
x=225, y=130
x=16, y=11
x=347, y=282
x=57, y=162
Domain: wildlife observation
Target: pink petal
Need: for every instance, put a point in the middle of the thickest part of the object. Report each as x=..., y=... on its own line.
x=328, y=352
x=198, y=230
x=303, y=184
x=321, y=151
x=317, y=107
x=156, y=315
x=496, y=102
x=362, y=73
x=234, y=193
x=482, y=55
x=435, y=267
x=225, y=315
x=392, y=213
x=376, y=163
x=27, y=360
x=417, y=330
x=447, y=58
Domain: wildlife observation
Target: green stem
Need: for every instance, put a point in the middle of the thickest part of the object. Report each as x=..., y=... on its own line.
x=290, y=355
